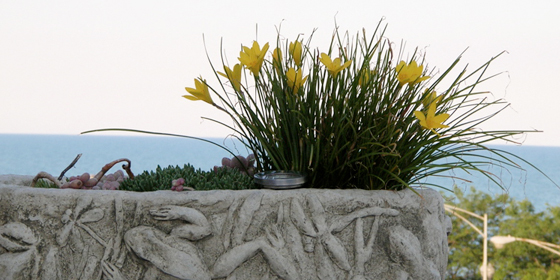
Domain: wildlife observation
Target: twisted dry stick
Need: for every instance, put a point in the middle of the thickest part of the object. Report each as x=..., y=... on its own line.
x=98, y=176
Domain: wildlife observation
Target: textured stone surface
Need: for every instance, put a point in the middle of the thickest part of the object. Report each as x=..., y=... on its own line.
x=253, y=234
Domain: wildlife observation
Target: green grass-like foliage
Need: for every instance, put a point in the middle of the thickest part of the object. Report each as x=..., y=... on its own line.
x=348, y=114
x=161, y=178
x=356, y=113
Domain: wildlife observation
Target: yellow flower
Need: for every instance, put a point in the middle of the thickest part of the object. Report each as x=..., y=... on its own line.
x=233, y=76
x=200, y=92
x=365, y=76
x=277, y=55
x=252, y=58
x=334, y=66
x=430, y=120
x=430, y=98
x=296, y=51
x=410, y=74
x=277, y=59
x=295, y=80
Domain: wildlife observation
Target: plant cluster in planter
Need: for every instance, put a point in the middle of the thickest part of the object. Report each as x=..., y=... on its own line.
x=356, y=114
x=162, y=178
x=109, y=181
x=233, y=174
x=101, y=180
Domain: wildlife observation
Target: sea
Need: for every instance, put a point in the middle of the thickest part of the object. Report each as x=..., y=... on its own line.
x=28, y=154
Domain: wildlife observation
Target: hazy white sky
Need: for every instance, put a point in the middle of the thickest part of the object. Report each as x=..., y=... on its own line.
x=70, y=66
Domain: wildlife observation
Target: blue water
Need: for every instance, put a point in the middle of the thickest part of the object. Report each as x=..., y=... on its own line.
x=525, y=183
x=30, y=154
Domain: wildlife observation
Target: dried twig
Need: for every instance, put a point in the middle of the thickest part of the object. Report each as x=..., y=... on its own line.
x=108, y=166
x=77, y=183
x=69, y=166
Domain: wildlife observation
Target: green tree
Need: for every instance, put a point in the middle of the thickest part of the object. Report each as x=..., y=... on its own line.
x=506, y=216
x=521, y=260
x=465, y=244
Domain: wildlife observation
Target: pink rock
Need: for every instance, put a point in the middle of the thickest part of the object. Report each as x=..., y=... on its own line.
x=91, y=182
x=85, y=177
x=239, y=162
x=226, y=162
x=76, y=184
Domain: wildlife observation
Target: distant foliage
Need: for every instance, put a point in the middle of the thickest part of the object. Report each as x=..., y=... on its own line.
x=506, y=216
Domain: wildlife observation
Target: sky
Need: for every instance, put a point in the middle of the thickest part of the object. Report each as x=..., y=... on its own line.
x=71, y=66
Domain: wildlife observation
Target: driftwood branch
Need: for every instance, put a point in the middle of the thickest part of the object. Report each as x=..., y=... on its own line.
x=109, y=165
x=87, y=182
x=45, y=175
x=69, y=166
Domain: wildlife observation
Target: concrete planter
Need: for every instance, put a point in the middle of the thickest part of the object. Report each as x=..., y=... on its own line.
x=253, y=234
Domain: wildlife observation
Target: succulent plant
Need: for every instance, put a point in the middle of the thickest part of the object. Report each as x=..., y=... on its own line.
x=232, y=175
x=244, y=164
x=178, y=185
x=220, y=178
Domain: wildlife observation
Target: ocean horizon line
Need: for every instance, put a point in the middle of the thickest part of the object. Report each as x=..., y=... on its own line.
x=228, y=137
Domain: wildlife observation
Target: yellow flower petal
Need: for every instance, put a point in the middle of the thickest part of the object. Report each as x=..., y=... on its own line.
x=422, y=118
x=410, y=74
x=234, y=76
x=437, y=121
x=430, y=98
x=294, y=79
x=325, y=59
x=200, y=92
x=430, y=120
x=333, y=66
x=296, y=52
x=252, y=58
